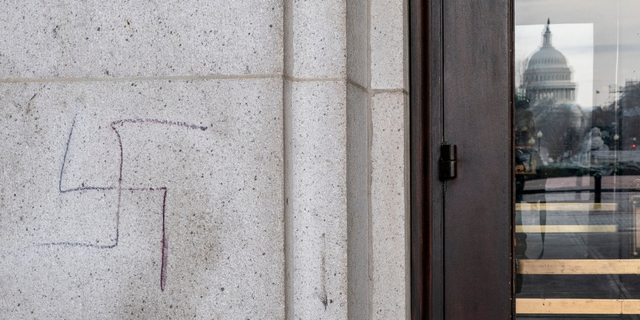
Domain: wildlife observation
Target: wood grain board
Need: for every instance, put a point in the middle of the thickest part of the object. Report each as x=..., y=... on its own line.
x=567, y=206
x=604, y=228
x=581, y=266
x=577, y=306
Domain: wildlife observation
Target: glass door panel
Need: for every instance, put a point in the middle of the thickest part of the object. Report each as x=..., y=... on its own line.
x=577, y=151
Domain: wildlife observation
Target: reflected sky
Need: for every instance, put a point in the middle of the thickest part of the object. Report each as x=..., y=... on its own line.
x=574, y=40
x=612, y=55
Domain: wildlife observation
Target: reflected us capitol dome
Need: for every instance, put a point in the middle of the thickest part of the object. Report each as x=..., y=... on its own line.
x=548, y=76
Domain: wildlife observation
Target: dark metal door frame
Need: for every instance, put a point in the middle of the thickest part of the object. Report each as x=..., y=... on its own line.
x=426, y=135
x=461, y=237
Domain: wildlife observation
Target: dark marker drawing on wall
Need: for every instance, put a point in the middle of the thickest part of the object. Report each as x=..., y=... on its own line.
x=119, y=188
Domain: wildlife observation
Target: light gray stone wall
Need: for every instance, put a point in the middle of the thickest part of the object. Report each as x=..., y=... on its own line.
x=315, y=159
x=377, y=166
x=100, y=165
x=207, y=159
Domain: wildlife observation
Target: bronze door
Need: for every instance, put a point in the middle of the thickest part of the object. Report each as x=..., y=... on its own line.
x=542, y=100
x=461, y=95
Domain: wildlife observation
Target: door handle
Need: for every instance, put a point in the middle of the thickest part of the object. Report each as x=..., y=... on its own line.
x=447, y=165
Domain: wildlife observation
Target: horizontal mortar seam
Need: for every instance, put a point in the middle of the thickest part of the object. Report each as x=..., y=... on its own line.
x=294, y=79
x=398, y=90
x=157, y=78
x=357, y=85
x=373, y=92
x=210, y=77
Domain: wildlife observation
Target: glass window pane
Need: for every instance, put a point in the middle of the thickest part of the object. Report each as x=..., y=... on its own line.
x=577, y=153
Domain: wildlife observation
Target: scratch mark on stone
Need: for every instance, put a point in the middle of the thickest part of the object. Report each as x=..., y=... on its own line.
x=324, y=298
x=28, y=109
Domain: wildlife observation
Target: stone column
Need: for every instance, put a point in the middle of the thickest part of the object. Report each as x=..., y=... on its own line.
x=315, y=159
x=377, y=166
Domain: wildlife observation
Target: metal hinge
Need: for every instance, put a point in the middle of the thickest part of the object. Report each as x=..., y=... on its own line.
x=447, y=165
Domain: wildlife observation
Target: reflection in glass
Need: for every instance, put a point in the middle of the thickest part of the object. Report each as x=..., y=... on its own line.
x=577, y=121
